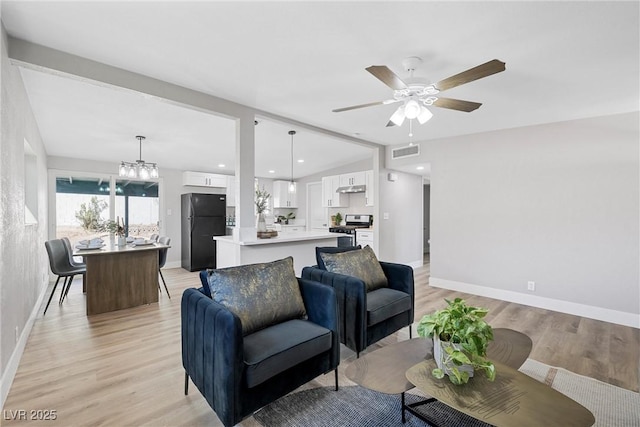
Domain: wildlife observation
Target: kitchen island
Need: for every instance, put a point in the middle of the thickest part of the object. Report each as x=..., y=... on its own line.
x=300, y=245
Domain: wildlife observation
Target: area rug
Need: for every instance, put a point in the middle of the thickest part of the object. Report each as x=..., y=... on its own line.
x=353, y=405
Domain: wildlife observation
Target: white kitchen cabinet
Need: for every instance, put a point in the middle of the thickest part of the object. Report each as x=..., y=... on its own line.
x=354, y=178
x=331, y=199
x=203, y=179
x=369, y=191
x=282, y=198
x=293, y=228
x=364, y=237
x=231, y=191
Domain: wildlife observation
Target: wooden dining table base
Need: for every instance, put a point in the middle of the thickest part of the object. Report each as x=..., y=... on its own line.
x=120, y=280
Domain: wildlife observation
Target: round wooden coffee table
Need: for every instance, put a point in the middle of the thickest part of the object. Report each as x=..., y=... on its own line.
x=384, y=369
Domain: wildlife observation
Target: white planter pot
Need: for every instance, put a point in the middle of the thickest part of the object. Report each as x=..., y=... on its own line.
x=439, y=354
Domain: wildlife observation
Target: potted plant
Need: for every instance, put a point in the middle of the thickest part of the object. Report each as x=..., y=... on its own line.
x=338, y=219
x=460, y=339
x=262, y=203
x=114, y=229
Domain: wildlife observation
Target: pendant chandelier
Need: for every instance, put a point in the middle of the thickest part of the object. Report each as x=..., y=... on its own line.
x=292, y=184
x=138, y=169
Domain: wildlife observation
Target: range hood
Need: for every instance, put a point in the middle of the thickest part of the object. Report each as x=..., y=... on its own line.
x=352, y=189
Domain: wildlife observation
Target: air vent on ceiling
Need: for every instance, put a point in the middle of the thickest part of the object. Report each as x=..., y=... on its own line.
x=408, y=151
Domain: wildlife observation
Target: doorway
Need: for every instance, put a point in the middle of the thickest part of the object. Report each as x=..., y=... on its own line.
x=317, y=216
x=426, y=217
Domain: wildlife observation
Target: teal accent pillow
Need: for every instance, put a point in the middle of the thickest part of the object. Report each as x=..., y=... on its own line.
x=261, y=295
x=361, y=263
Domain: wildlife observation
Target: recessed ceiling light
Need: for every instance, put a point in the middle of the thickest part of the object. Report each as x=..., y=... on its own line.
x=420, y=168
x=221, y=165
x=300, y=160
x=272, y=171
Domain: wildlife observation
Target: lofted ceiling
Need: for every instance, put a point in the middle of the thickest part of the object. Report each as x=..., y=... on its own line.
x=300, y=60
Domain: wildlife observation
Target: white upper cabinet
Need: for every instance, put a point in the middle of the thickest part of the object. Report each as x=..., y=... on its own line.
x=282, y=198
x=369, y=191
x=354, y=178
x=202, y=179
x=331, y=199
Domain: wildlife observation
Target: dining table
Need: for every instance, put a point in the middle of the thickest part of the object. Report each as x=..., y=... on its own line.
x=120, y=277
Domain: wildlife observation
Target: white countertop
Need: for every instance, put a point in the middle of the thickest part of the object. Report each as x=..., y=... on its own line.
x=281, y=238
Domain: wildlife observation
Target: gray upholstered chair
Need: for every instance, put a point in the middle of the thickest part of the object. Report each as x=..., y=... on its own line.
x=61, y=266
x=162, y=259
x=74, y=263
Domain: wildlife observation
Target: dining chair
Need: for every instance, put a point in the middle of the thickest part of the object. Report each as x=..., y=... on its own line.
x=162, y=259
x=74, y=263
x=154, y=237
x=60, y=265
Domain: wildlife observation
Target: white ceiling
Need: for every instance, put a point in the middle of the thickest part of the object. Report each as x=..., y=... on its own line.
x=564, y=60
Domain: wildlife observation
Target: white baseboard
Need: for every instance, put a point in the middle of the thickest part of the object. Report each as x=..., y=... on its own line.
x=583, y=310
x=14, y=361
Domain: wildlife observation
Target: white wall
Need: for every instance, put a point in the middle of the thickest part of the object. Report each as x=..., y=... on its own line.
x=24, y=263
x=557, y=204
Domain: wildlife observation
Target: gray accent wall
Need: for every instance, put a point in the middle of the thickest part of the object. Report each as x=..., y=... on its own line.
x=557, y=204
x=24, y=266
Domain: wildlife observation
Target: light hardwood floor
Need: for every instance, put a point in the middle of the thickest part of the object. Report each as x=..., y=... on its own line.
x=124, y=368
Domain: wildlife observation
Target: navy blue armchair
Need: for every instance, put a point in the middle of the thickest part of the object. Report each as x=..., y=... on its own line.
x=239, y=374
x=367, y=317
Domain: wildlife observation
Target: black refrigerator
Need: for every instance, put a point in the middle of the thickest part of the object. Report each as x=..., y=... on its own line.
x=203, y=216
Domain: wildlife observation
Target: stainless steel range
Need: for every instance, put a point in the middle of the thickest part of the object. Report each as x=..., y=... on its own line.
x=352, y=222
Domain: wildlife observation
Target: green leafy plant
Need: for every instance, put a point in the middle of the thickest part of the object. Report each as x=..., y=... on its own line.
x=338, y=218
x=262, y=200
x=89, y=214
x=112, y=227
x=465, y=328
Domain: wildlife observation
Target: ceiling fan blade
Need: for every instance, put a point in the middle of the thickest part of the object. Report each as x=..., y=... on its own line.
x=354, y=107
x=457, y=104
x=370, y=104
x=386, y=76
x=488, y=68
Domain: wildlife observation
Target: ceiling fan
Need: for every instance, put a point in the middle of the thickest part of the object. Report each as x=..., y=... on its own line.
x=416, y=93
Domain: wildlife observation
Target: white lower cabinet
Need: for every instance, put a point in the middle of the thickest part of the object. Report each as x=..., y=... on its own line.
x=364, y=238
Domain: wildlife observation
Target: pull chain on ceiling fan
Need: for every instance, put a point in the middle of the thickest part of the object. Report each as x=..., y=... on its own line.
x=416, y=94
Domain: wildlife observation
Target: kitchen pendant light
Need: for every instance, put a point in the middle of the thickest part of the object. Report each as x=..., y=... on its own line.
x=139, y=169
x=292, y=184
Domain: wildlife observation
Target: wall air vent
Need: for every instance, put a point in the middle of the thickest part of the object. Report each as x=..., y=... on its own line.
x=408, y=151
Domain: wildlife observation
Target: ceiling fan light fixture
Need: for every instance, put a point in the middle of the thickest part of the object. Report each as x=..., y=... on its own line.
x=411, y=109
x=398, y=117
x=424, y=116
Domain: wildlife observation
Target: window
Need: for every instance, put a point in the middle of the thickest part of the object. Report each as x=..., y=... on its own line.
x=83, y=204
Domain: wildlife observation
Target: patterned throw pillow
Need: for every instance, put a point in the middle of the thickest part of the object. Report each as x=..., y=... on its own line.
x=331, y=250
x=260, y=295
x=361, y=263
